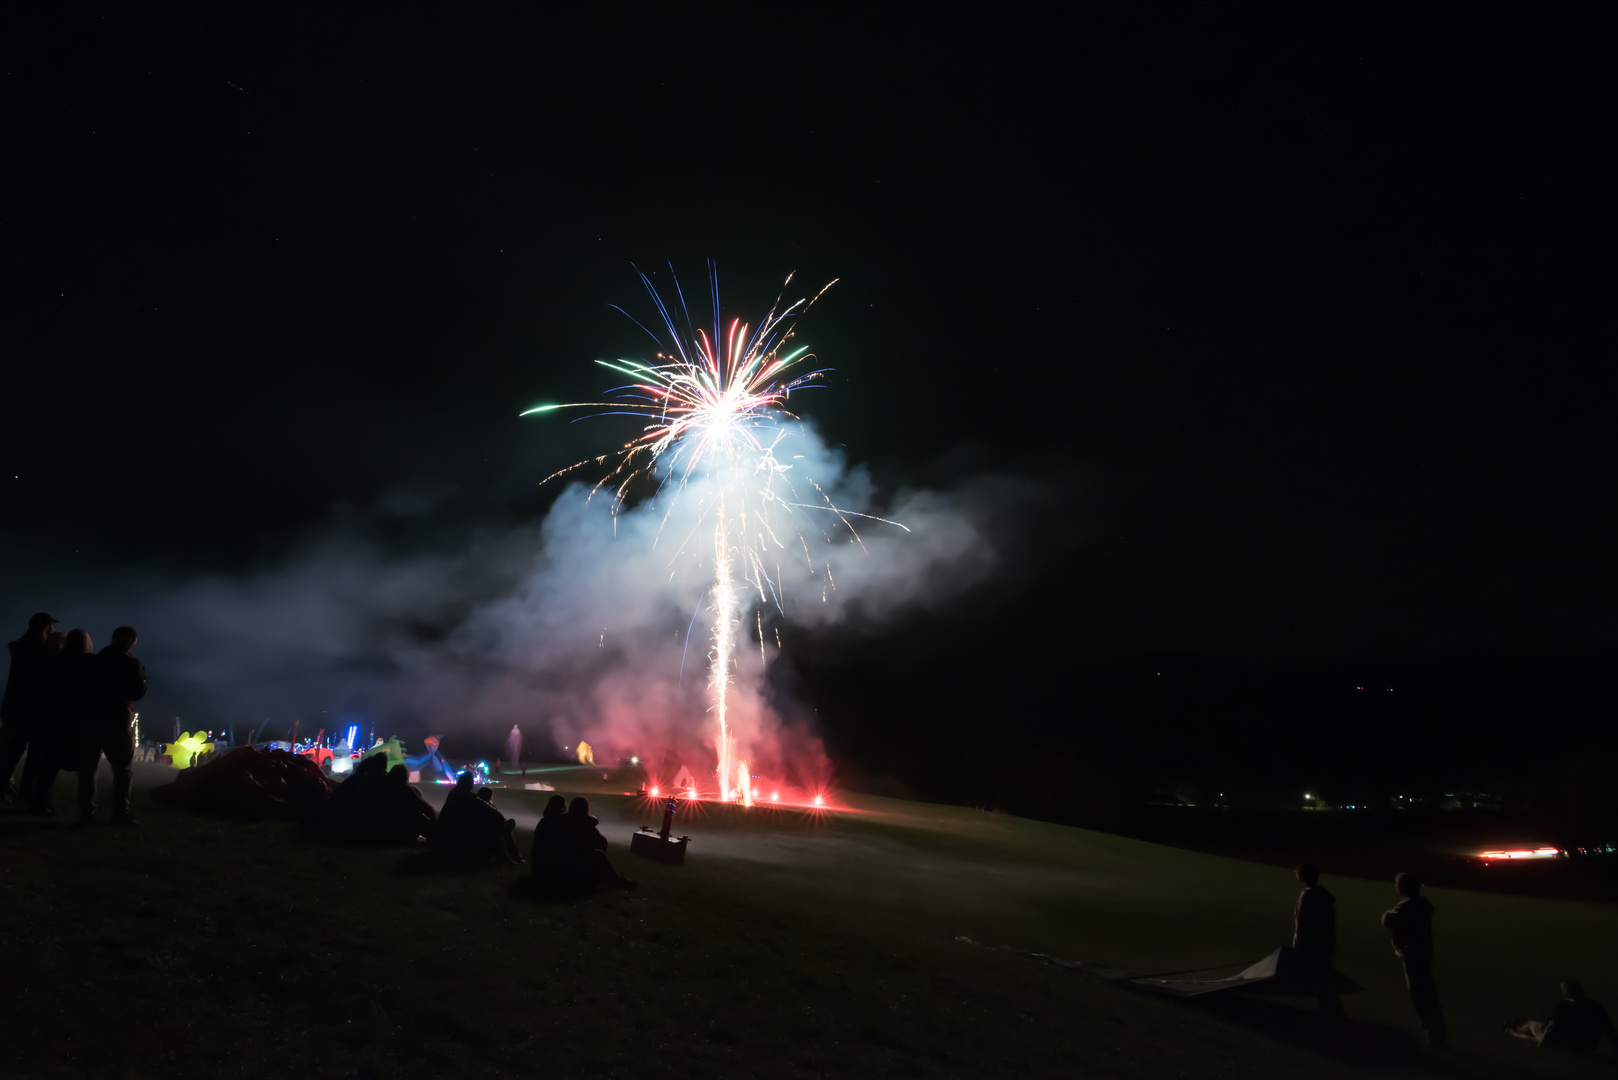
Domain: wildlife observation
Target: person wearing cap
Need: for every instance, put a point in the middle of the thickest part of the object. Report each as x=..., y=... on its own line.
x=27, y=685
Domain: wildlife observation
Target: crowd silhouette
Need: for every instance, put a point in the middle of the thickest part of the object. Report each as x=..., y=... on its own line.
x=66, y=707
x=1577, y=1023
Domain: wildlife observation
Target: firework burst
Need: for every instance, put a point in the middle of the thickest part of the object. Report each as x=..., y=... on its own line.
x=716, y=408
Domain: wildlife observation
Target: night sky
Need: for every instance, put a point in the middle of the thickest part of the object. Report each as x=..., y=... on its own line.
x=1280, y=342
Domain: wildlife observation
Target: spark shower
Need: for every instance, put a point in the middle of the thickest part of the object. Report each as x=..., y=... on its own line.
x=716, y=410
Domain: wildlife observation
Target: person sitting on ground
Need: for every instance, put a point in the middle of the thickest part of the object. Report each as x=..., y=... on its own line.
x=1576, y=1024
x=508, y=840
x=546, y=853
x=351, y=814
x=584, y=852
x=406, y=815
x=470, y=829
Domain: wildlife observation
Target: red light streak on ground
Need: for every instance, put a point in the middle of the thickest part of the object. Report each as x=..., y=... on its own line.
x=1521, y=853
x=694, y=801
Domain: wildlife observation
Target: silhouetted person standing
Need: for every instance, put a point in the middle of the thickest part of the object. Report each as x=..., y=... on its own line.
x=117, y=682
x=1410, y=922
x=1314, y=938
x=24, y=699
x=70, y=697
x=47, y=740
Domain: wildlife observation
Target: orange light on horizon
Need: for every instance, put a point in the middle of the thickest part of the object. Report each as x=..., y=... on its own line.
x=1522, y=853
x=819, y=801
x=654, y=791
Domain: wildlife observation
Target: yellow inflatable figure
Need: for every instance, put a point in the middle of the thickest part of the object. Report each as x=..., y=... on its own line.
x=587, y=756
x=189, y=746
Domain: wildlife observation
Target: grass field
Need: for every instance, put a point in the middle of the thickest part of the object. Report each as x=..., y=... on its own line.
x=791, y=945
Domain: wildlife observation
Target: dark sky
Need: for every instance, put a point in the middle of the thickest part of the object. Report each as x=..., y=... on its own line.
x=1292, y=334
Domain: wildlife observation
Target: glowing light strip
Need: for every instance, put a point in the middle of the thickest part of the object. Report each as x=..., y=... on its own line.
x=1522, y=853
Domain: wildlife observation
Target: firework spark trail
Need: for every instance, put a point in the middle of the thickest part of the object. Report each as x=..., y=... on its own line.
x=706, y=404
x=723, y=635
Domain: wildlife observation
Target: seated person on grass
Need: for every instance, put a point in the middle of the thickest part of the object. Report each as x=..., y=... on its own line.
x=1576, y=1023
x=406, y=816
x=377, y=806
x=583, y=852
x=547, y=854
x=471, y=830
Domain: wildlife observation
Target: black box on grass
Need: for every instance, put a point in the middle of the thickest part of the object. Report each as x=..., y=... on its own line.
x=665, y=849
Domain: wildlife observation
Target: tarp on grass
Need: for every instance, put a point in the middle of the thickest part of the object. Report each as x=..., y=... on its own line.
x=1277, y=973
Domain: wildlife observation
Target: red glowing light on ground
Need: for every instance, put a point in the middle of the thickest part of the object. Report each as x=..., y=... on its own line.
x=1522, y=853
x=821, y=802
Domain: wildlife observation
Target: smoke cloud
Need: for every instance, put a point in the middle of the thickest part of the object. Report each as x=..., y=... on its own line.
x=593, y=624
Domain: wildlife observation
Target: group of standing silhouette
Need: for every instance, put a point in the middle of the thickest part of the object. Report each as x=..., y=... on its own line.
x=1577, y=1022
x=66, y=706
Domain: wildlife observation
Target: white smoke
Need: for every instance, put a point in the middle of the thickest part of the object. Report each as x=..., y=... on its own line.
x=593, y=625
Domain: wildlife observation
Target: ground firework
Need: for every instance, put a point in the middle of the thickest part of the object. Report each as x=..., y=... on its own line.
x=716, y=411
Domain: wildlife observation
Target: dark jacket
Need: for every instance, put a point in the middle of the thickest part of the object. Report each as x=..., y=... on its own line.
x=80, y=675
x=1314, y=924
x=1578, y=1026
x=1410, y=921
x=25, y=684
x=584, y=833
x=549, y=852
x=122, y=682
x=468, y=826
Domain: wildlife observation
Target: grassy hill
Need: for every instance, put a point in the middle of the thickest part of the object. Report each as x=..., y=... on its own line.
x=792, y=945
